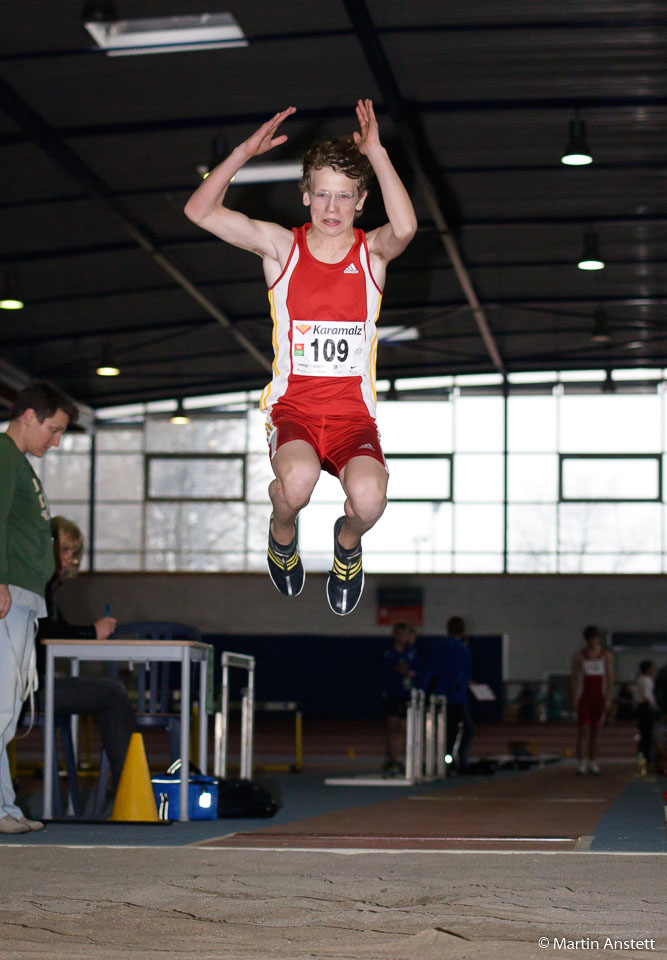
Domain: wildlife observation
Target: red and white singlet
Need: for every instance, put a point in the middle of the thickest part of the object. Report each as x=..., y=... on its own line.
x=593, y=676
x=324, y=332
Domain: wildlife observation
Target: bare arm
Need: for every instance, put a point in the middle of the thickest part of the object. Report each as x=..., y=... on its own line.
x=389, y=241
x=206, y=205
x=5, y=600
x=575, y=680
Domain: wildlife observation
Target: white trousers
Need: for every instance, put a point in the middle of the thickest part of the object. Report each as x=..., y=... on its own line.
x=17, y=679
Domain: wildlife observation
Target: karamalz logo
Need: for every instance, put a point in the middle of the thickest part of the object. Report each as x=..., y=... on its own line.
x=302, y=327
x=329, y=330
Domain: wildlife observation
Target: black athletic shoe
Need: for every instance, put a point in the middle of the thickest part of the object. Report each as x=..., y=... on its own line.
x=346, y=579
x=285, y=567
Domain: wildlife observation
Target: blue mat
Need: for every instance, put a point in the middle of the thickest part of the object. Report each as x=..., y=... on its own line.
x=635, y=823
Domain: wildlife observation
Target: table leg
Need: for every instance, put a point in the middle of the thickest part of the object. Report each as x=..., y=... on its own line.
x=185, y=733
x=48, y=738
x=203, y=716
x=74, y=731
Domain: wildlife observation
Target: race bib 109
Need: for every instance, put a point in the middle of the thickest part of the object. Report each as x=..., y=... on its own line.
x=327, y=349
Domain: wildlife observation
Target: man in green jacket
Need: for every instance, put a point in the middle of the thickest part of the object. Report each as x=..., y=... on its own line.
x=39, y=417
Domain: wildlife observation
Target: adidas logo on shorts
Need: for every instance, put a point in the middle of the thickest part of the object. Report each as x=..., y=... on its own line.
x=367, y=446
x=350, y=269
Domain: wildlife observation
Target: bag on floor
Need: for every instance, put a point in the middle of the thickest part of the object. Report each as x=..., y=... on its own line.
x=202, y=794
x=243, y=798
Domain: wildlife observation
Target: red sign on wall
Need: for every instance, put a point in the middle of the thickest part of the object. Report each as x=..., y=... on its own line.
x=400, y=605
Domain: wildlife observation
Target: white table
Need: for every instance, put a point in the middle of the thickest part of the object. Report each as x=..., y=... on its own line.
x=184, y=652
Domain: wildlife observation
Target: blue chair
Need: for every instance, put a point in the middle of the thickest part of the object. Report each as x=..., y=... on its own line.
x=154, y=708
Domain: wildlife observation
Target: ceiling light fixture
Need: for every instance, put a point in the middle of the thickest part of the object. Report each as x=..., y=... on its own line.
x=577, y=153
x=203, y=31
x=9, y=298
x=396, y=334
x=600, y=333
x=608, y=386
x=590, y=258
x=107, y=370
x=106, y=367
x=219, y=151
x=285, y=172
x=179, y=416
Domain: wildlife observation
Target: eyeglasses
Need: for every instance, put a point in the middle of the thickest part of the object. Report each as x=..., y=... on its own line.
x=323, y=196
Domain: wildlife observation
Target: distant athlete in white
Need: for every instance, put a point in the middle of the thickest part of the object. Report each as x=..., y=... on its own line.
x=325, y=283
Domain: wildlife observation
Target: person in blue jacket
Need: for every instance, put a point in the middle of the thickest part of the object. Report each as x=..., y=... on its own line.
x=399, y=669
x=448, y=672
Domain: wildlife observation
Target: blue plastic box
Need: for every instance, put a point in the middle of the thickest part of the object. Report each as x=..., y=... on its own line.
x=202, y=797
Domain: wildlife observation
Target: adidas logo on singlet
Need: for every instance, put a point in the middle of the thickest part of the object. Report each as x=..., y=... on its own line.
x=350, y=269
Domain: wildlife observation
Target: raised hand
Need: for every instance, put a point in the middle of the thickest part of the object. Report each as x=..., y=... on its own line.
x=264, y=139
x=370, y=133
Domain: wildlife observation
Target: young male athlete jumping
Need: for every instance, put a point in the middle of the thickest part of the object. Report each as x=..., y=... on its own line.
x=325, y=283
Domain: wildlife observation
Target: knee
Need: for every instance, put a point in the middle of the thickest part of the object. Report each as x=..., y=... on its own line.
x=296, y=486
x=367, y=498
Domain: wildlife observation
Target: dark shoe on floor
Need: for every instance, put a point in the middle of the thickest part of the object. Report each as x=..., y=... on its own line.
x=346, y=580
x=285, y=567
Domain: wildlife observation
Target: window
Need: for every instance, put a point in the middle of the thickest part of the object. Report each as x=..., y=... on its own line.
x=565, y=478
x=610, y=478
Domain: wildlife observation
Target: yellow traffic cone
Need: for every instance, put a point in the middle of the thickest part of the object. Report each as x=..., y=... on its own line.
x=135, y=799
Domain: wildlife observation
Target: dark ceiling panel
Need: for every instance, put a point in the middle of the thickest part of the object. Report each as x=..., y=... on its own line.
x=490, y=89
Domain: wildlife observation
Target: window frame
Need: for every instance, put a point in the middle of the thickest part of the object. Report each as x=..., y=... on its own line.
x=148, y=457
x=562, y=457
x=449, y=457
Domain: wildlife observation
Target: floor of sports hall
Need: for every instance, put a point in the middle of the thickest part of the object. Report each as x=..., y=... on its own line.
x=529, y=861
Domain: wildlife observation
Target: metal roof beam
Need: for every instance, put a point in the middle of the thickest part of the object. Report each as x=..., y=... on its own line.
x=29, y=121
x=13, y=379
x=381, y=70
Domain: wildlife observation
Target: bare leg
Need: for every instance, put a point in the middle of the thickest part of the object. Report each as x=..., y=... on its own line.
x=297, y=469
x=364, y=481
x=593, y=743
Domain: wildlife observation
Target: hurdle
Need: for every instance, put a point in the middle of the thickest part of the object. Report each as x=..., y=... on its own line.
x=435, y=734
x=425, y=742
x=242, y=662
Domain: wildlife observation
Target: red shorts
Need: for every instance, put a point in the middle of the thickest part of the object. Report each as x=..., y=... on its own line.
x=335, y=440
x=590, y=713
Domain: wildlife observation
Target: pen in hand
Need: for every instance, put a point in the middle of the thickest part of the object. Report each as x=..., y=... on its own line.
x=106, y=625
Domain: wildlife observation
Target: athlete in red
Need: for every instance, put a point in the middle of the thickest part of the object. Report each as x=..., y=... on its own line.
x=592, y=688
x=325, y=283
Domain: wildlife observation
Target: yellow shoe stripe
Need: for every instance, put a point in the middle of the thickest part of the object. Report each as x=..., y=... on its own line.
x=346, y=571
x=285, y=563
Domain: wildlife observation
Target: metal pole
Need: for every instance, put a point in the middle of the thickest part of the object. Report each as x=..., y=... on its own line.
x=429, y=762
x=250, y=721
x=419, y=736
x=48, y=737
x=185, y=735
x=224, y=723
x=410, y=737
x=217, y=745
x=203, y=716
x=74, y=733
x=441, y=738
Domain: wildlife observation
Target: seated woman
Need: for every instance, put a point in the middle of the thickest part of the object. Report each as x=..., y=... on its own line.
x=103, y=697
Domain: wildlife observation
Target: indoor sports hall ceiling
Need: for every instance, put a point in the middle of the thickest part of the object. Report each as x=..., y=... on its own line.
x=99, y=155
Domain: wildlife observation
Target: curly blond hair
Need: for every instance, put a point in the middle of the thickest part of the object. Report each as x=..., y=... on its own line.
x=342, y=156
